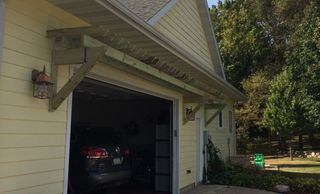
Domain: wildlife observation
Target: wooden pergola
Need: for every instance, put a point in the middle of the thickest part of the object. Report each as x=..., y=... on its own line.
x=119, y=38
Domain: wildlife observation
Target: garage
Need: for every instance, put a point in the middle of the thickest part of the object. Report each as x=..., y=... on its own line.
x=120, y=141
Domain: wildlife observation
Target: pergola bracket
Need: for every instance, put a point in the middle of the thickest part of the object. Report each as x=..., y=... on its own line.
x=93, y=51
x=219, y=108
x=88, y=57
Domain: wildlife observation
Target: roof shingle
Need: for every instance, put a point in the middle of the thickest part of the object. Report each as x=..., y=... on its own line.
x=145, y=9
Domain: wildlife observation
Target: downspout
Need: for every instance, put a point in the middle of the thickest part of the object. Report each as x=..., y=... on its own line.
x=2, y=16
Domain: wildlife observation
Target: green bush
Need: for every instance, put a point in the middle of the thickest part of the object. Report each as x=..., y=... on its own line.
x=243, y=180
x=215, y=163
x=305, y=185
x=268, y=182
x=247, y=177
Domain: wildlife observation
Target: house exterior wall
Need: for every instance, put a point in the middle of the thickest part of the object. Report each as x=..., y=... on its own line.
x=182, y=24
x=33, y=140
x=187, y=137
x=220, y=135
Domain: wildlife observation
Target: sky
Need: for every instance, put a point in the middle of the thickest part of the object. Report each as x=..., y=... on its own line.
x=212, y=2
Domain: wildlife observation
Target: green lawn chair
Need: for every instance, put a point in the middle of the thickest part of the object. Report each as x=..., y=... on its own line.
x=259, y=160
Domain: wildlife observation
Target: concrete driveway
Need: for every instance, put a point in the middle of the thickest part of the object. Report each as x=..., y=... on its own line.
x=223, y=189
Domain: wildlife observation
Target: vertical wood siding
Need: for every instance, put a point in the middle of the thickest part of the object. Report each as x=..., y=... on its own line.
x=32, y=140
x=182, y=25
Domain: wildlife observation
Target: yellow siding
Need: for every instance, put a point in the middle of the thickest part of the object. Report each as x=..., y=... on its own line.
x=32, y=140
x=187, y=157
x=183, y=26
x=220, y=135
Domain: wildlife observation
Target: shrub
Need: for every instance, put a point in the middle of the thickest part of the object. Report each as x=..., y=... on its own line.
x=215, y=163
x=249, y=177
x=305, y=185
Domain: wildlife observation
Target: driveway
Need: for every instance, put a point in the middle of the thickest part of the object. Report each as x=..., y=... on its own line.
x=223, y=189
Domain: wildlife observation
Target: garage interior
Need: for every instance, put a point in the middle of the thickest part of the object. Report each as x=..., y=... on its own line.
x=138, y=123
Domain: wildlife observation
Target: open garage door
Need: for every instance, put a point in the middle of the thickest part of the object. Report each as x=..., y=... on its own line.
x=121, y=141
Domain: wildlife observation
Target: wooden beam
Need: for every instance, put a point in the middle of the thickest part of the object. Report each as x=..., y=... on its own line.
x=219, y=108
x=214, y=106
x=113, y=56
x=94, y=51
x=75, y=56
x=193, y=99
x=88, y=62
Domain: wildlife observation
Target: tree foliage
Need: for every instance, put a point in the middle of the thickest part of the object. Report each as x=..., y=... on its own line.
x=294, y=103
x=284, y=109
x=242, y=43
x=256, y=88
x=264, y=40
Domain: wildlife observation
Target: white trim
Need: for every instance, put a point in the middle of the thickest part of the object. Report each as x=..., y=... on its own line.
x=199, y=150
x=154, y=19
x=176, y=146
x=175, y=125
x=211, y=37
x=68, y=135
x=2, y=18
x=231, y=121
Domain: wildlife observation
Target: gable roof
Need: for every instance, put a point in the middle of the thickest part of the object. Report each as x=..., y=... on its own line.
x=145, y=9
x=206, y=23
x=151, y=11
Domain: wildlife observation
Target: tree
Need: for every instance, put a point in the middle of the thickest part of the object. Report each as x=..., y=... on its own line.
x=243, y=44
x=253, y=35
x=256, y=88
x=303, y=56
x=286, y=108
x=278, y=38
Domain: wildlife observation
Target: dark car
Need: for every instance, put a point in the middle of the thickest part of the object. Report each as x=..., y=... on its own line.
x=97, y=159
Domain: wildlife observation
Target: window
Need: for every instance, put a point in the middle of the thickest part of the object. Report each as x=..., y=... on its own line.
x=220, y=119
x=230, y=121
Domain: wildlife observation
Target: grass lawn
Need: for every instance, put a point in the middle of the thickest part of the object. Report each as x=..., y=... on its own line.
x=298, y=165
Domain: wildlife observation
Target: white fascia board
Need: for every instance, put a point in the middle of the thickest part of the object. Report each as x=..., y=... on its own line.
x=154, y=19
x=210, y=35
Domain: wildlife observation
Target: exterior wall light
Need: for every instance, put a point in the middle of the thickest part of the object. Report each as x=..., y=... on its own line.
x=189, y=114
x=42, y=84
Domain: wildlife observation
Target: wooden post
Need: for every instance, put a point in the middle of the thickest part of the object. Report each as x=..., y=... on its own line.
x=290, y=150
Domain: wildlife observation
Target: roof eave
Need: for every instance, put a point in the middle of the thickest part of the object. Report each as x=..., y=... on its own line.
x=122, y=12
x=151, y=33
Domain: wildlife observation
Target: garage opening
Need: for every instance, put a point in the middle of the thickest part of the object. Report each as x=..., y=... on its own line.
x=121, y=141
